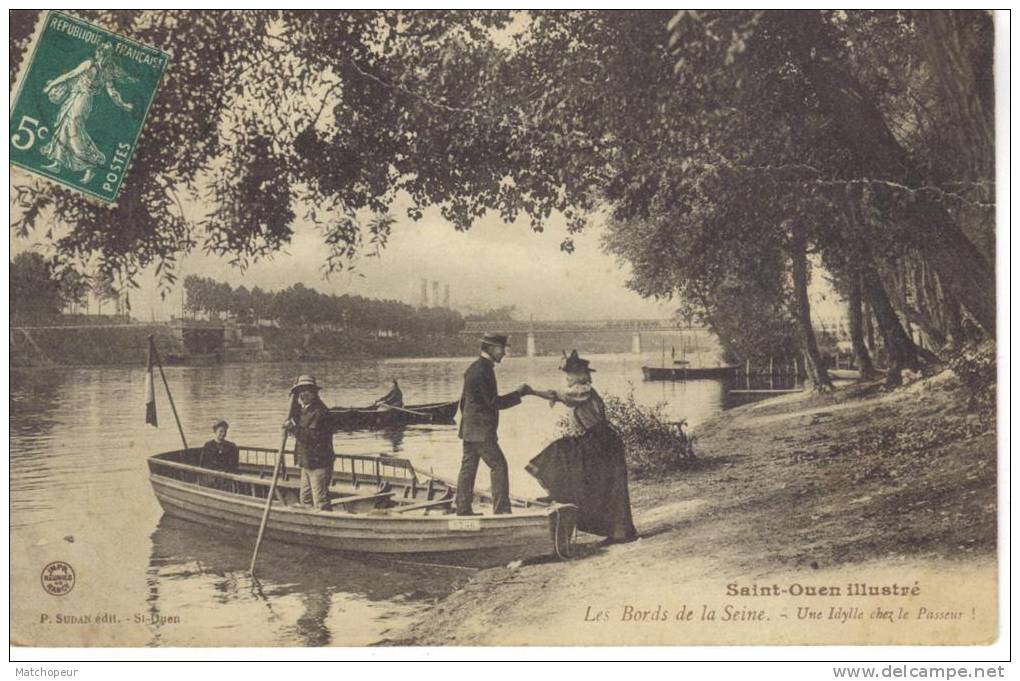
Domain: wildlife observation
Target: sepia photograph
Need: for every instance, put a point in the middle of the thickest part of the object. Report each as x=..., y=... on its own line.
x=397, y=328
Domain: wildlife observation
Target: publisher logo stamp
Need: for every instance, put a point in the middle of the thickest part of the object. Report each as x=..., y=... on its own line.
x=58, y=578
x=81, y=103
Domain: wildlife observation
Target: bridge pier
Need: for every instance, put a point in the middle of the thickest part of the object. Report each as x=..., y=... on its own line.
x=635, y=343
x=531, y=344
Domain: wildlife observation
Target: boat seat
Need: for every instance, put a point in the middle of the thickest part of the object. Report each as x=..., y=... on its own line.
x=380, y=499
x=447, y=501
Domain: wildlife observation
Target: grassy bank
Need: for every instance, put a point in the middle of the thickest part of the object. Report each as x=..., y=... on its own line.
x=835, y=486
x=88, y=346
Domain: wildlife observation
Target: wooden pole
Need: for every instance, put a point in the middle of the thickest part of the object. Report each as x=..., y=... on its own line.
x=272, y=491
x=159, y=363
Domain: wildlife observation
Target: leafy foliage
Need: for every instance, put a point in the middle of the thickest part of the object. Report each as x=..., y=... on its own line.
x=34, y=289
x=975, y=366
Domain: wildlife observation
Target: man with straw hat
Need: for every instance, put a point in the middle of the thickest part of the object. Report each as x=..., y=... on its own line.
x=480, y=404
x=313, y=436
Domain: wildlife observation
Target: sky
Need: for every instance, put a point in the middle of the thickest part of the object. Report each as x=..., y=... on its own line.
x=491, y=265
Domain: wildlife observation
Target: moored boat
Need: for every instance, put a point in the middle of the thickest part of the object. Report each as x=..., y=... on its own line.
x=380, y=505
x=374, y=418
x=688, y=373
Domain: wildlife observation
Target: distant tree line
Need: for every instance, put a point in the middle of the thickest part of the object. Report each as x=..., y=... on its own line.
x=299, y=305
x=40, y=290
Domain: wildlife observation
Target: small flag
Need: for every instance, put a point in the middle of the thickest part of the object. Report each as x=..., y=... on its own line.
x=150, y=394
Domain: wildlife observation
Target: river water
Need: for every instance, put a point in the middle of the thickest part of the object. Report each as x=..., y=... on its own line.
x=79, y=493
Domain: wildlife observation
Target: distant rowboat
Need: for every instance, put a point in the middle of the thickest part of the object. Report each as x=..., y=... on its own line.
x=373, y=418
x=380, y=505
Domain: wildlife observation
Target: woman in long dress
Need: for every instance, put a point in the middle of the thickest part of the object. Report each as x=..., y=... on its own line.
x=588, y=468
x=71, y=146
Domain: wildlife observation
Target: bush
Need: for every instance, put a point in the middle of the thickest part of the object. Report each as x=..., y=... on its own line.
x=974, y=365
x=655, y=445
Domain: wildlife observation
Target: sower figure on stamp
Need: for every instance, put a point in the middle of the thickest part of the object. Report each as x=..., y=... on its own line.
x=313, y=450
x=480, y=404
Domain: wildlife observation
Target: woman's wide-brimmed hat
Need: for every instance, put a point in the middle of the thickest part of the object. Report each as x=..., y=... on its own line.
x=573, y=364
x=305, y=382
x=496, y=339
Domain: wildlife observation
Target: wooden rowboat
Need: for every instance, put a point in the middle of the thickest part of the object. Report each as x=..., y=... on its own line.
x=371, y=418
x=380, y=505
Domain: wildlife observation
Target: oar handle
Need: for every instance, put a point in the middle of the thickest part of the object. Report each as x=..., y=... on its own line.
x=272, y=491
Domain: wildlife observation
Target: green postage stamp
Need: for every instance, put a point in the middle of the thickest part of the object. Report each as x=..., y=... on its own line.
x=81, y=103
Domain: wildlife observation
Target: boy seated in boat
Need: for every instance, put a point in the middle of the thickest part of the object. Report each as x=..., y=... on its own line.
x=394, y=398
x=219, y=453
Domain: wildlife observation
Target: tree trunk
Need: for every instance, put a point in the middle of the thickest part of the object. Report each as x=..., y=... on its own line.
x=954, y=322
x=816, y=371
x=915, y=313
x=869, y=326
x=861, y=127
x=857, y=329
x=901, y=350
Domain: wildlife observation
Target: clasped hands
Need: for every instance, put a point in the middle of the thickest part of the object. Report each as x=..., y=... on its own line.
x=525, y=389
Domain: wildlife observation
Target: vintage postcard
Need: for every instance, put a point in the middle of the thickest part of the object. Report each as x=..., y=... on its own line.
x=81, y=104
x=500, y=328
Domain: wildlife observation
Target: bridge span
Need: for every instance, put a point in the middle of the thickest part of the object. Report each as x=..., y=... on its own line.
x=533, y=328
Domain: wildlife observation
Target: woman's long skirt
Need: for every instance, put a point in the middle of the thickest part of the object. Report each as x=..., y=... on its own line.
x=589, y=471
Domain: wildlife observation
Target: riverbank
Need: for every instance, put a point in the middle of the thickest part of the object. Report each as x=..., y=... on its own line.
x=856, y=486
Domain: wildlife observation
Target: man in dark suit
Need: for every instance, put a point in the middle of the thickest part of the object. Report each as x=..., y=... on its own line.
x=480, y=404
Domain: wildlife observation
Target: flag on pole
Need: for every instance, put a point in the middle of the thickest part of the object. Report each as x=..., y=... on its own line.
x=150, y=393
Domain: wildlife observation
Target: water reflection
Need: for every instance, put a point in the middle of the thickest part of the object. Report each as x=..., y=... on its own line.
x=301, y=595
x=395, y=436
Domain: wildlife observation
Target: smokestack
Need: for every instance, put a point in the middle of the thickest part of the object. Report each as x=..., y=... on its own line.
x=435, y=294
x=424, y=293
x=446, y=297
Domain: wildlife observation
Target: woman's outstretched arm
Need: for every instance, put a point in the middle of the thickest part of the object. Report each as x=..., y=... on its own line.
x=569, y=398
x=70, y=74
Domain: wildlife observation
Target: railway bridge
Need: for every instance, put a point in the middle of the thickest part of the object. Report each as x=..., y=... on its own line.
x=531, y=329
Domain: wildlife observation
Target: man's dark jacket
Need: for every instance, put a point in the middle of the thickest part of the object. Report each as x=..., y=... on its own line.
x=314, y=435
x=480, y=402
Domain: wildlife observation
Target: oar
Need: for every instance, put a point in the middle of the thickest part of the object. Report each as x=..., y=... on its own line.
x=272, y=490
x=409, y=411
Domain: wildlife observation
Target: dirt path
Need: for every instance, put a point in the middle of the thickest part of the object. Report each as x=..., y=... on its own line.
x=803, y=492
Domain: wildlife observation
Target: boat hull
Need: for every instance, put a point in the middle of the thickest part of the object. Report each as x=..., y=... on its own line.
x=344, y=418
x=429, y=535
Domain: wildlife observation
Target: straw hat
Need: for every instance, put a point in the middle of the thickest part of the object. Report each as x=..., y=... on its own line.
x=305, y=382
